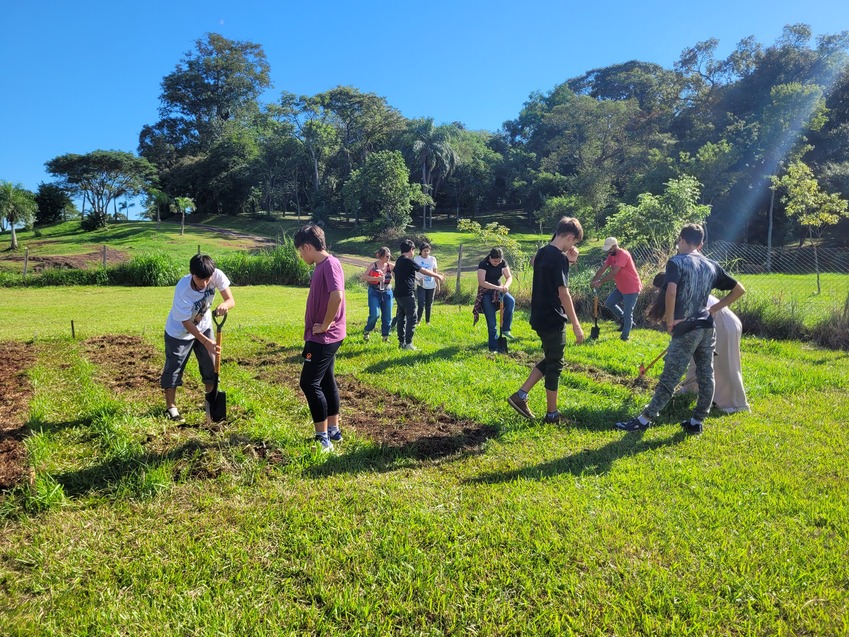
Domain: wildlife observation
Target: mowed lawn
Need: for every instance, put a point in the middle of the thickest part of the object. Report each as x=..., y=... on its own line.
x=138, y=526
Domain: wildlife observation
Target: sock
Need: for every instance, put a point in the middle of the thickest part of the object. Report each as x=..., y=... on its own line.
x=522, y=394
x=332, y=429
x=693, y=421
x=552, y=414
x=322, y=435
x=643, y=420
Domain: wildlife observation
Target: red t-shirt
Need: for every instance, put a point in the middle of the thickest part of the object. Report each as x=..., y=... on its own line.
x=627, y=279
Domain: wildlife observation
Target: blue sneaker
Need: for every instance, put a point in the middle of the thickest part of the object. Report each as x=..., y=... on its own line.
x=335, y=436
x=324, y=444
x=690, y=428
x=632, y=425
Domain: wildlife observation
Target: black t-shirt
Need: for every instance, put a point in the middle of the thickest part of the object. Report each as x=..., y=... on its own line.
x=405, y=276
x=695, y=276
x=493, y=272
x=551, y=272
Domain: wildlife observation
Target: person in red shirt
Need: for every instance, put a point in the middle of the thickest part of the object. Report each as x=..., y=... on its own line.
x=623, y=297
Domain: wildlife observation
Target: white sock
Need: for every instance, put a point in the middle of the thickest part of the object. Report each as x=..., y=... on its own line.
x=643, y=420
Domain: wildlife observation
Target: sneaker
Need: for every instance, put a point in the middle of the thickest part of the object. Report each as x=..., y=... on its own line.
x=385, y=339
x=335, y=436
x=690, y=428
x=508, y=336
x=174, y=415
x=410, y=347
x=325, y=446
x=520, y=405
x=553, y=419
x=632, y=425
x=365, y=336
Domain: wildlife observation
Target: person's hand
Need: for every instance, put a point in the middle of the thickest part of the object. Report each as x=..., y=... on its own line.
x=220, y=311
x=572, y=254
x=504, y=289
x=317, y=328
x=579, y=334
x=212, y=347
x=596, y=284
x=670, y=325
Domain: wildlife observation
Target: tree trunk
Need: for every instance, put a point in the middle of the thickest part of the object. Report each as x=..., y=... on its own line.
x=14, y=237
x=182, y=222
x=816, y=261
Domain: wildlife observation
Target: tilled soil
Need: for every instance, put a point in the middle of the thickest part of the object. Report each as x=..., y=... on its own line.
x=14, y=401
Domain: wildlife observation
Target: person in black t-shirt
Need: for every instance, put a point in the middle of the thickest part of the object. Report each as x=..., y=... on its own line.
x=405, y=290
x=491, y=292
x=551, y=307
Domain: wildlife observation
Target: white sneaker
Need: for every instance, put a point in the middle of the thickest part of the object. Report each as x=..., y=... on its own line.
x=411, y=347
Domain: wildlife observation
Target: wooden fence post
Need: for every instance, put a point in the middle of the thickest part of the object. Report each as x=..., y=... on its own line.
x=26, y=261
x=459, y=270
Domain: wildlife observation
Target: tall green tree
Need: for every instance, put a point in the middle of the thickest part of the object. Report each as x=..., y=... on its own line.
x=102, y=176
x=52, y=202
x=184, y=206
x=435, y=157
x=17, y=206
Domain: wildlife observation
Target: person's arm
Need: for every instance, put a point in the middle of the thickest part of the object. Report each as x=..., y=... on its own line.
x=438, y=276
x=569, y=308
x=728, y=299
x=671, y=294
x=207, y=342
x=596, y=280
x=333, y=303
x=483, y=283
x=227, y=304
x=368, y=277
x=508, y=279
x=610, y=275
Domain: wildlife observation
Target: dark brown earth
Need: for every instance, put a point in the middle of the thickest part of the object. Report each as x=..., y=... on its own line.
x=15, y=393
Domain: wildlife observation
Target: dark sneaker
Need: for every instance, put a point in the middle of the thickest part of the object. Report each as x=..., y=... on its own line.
x=520, y=405
x=324, y=444
x=632, y=425
x=365, y=336
x=385, y=339
x=174, y=415
x=554, y=419
x=335, y=436
x=690, y=428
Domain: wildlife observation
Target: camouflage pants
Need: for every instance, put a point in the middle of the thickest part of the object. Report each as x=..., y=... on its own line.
x=699, y=345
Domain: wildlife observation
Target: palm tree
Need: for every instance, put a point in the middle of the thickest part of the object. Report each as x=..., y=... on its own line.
x=156, y=200
x=433, y=152
x=184, y=205
x=17, y=205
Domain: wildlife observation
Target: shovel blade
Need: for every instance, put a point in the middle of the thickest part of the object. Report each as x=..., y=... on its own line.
x=594, y=332
x=216, y=406
x=502, y=344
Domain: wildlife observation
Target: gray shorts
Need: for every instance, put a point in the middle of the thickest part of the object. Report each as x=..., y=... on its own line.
x=177, y=356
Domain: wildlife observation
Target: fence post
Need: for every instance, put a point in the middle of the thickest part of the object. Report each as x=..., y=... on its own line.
x=26, y=261
x=459, y=270
x=73, y=334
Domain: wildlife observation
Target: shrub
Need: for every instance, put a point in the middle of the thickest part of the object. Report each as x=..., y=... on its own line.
x=148, y=270
x=280, y=266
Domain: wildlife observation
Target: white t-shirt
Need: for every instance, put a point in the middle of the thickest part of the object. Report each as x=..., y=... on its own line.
x=191, y=304
x=427, y=282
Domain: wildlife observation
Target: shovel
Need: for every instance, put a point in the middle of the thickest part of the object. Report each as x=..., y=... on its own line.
x=594, y=332
x=502, y=340
x=216, y=401
x=645, y=368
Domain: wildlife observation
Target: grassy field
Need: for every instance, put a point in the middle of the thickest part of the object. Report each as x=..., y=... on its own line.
x=137, y=526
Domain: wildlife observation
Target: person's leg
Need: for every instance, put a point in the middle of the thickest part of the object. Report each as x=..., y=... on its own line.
x=177, y=353
x=509, y=306
x=331, y=395
x=612, y=303
x=428, y=303
x=318, y=359
x=553, y=346
x=406, y=315
x=703, y=358
x=373, y=309
x=491, y=325
x=386, y=312
x=628, y=303
x=421, y=294
x=410, y=327
x=674, y=365
x=206, y=364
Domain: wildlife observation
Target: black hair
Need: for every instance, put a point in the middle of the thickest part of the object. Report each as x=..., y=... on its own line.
x=202, y=266
x=656, y=310
x=407, y=246
x=496, y=253
x=570, y=225
x=310, y=234
x=424, y=246
x=693, y=234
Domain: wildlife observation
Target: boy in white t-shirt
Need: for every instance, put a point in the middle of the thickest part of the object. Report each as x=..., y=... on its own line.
x=189, y=327
x=425, y=285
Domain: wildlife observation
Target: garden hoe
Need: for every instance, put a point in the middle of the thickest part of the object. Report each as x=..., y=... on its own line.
x=645, y=368
x=216, y=401
x=594, y=332
x=502, y=340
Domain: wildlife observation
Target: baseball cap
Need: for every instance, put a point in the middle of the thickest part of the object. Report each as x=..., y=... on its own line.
x=609, y=243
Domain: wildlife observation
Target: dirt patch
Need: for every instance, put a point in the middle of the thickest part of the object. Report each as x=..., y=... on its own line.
x=125, y=363
x=394, y=422
x=14, y=400
x=72, y=261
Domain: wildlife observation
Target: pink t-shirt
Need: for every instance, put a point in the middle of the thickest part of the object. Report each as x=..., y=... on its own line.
x=627, y=279
x=326, y=278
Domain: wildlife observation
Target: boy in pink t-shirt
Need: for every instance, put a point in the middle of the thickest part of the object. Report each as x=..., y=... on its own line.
x=623, y=297
x=324, y=331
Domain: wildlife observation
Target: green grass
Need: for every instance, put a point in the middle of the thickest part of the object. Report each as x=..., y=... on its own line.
x=156, y=529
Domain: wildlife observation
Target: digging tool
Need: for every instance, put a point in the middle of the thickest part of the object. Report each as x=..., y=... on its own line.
x=645, y=368
x=216, y=401
x=502, y=340
x=595, y=331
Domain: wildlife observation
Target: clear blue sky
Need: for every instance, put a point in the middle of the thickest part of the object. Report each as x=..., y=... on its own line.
x=81, y=75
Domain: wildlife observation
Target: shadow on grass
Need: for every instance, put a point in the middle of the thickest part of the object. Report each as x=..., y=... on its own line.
x=586, y=462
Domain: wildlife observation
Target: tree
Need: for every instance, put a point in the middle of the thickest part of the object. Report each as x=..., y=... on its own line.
x=494, y=235
x=156, y=202
x=656, y=220
x=184, y=205
x=17, y=205
x=382, y=189
x=101, y=177
x=52, y=202
x=813, y=208
x=435, y=156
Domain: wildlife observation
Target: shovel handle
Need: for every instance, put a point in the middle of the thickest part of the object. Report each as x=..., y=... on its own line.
x=644, y=369
x=219, y=338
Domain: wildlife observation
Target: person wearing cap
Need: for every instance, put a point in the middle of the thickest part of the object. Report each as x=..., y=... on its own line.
x=626, y=290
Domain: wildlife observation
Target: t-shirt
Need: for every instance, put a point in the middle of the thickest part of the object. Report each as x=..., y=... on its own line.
x=427, y=282
x=627, y=280
x=695, y=276
x=405, y=276
x=192, y=304
x=551, y=272
x=326, y=278
x=492, y=272
x=376, y=268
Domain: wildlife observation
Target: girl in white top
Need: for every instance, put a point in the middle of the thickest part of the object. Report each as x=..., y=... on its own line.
x=425, y=285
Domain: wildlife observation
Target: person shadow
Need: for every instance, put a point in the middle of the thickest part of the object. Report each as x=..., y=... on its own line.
x=585, y=462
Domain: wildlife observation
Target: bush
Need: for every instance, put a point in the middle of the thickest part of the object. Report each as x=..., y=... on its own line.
x=833, y=332
x=148, y=270
x=280, y=266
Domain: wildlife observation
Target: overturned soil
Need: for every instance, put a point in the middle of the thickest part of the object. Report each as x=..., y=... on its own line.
x=14, y=401
x=70, y=261
x=125, y=363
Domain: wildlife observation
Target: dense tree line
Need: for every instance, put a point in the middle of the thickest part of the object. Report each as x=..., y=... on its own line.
x=610, y=143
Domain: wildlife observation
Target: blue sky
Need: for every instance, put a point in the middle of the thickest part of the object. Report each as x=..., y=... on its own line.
x=83, y=75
